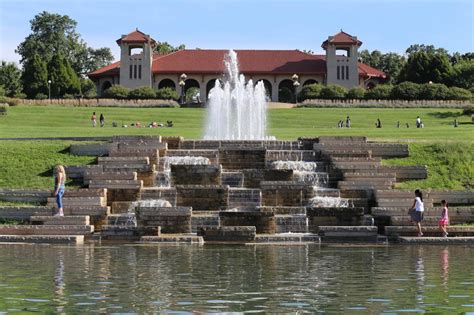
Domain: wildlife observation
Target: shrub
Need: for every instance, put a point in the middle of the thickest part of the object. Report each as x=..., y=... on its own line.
x=90, y=94
x=333, y=91
x=167, y=93
x=406, y=91
x=459, y=94
x=68, y=96
x=356, y=93
x=434, y=91
x=13, y=101
x=3, y=109
x=2, y=90
x=310, y=91
x=468, y=110
x=379, y=92
x=117, y=91
x=41, y=96
x=285, y=95
x=20, y=95
x=143, y=92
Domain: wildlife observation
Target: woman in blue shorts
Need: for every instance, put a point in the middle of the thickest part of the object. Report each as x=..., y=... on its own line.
x=59, y=187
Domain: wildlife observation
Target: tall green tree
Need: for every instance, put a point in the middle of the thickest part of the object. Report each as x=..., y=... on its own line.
x=463, y=74
x=35, y=76
x=62, y=76
x=10, y=78
x=53, y=34
x=425, y=66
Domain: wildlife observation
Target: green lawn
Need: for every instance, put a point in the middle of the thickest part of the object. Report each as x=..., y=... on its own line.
x=58, y=121
x=447, y=151
x=29, y=164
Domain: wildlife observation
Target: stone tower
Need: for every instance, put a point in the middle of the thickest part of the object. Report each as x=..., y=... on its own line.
x=342, y=59
x=136, y=59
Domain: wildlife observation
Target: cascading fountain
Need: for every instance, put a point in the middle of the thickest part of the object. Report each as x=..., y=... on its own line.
x=304, y=172
x=165, y=179
x=236, y=109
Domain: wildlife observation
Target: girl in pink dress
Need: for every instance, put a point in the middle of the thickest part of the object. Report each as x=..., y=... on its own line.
x=444, y=220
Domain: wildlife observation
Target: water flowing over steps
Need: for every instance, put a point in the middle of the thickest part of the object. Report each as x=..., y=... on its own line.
x=314, y=189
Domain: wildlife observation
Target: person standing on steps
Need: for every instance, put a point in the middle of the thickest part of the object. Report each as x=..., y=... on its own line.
x=59, y=188
x=416, y=211
x=444, y=220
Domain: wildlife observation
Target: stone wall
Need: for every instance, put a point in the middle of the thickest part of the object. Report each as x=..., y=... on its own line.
x=196, y=174
x=213, y=197
x=232, y=159
x=263, y=220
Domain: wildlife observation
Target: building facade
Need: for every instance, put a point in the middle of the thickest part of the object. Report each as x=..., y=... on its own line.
x=139, y=66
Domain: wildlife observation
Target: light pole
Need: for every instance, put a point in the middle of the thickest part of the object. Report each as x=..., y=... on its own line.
x=182, y=83
x=296, y=83
x=49, y=91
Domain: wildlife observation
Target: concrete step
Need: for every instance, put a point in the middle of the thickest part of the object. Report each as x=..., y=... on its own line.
x=116, y=184
x=69, y=202
x=47, y=239
x=453, y=230
x=108, y=160
x=65, y=220
x=468, y=240
x=101, y=175
x=46, y=229
x=291, y=223
x=348, y=233
x=23, y=212
x=87, y=210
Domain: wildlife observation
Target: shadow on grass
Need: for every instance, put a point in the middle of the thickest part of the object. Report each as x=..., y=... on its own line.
x=444, y=115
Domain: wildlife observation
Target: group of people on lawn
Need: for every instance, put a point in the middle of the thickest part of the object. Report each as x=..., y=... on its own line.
x=153, y=124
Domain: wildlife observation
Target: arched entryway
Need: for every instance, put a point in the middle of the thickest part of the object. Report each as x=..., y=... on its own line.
x=268, y=88
x=310, y=81
x=286, y=92
x=166, y=83
x=191, y=90
x=106, y=85
x=209, y=86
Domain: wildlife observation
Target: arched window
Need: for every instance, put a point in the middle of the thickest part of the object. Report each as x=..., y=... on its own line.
x=268, y=87
x=286, y=92
x=106, y=85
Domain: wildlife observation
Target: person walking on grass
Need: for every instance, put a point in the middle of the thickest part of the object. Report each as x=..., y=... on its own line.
x=102, y=120
x=94, y=119
x=444, y=220
x=416, y=211
x=59, y=188
x=348, y=122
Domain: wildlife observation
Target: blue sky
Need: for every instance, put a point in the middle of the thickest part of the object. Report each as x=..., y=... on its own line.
x=385, y=25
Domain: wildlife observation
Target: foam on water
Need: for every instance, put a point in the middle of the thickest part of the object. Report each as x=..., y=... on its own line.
x=237, y=110
x=328, y=202
x=301, y=166
x=149, y=203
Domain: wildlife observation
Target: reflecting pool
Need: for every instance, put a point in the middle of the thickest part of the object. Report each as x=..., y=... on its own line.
x=289, y=279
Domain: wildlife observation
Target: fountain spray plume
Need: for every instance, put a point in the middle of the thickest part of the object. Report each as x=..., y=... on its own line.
x=236, y=110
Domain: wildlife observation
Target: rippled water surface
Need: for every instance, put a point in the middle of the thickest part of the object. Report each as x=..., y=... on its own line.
x=162, y=278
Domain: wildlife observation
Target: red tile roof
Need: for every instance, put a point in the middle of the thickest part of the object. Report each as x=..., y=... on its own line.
x=368, y=71
x=111, y=69
x=341, y=38
x=197, y=61
x=135, y=37
x=250, y=61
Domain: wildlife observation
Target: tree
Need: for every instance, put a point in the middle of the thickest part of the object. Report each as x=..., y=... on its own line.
x=62, y=76
x=10, y=78
x=164, y=48
x=423, y=67
x=35, y=76
x=406, y=91
x=356, y=93
x=429, y=49
x=53, y=34
x=379, y=92
x=97, y=58
x=390, y=63
x=463, y=74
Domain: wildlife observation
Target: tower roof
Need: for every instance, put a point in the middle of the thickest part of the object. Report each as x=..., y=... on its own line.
x=136, y=37
x=341, y=38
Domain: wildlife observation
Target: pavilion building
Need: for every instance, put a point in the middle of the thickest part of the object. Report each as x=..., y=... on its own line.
x=140, y=66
